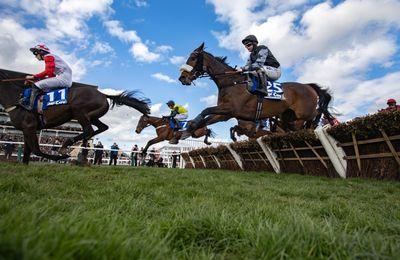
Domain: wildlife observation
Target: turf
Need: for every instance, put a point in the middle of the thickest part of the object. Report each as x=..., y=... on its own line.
x=63, y=212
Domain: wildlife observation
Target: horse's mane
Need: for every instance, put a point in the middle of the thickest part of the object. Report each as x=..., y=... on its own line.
x=222, y=59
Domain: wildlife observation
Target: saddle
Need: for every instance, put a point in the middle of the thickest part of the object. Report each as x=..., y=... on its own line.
x=274, y=89
x=48, y=99
x=182, y=124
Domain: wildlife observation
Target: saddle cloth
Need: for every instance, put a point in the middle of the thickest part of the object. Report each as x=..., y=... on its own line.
x=52, y=98
x=182, y=124
x=274, y=89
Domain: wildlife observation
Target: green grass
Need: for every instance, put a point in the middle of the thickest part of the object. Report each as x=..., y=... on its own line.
x=64, y=212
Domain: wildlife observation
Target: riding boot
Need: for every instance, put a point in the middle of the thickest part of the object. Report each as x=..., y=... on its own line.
x=174, y=139
x=262, y=86
x=34, y=93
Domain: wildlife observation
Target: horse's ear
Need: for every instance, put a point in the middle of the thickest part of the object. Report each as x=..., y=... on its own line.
x=201, y=47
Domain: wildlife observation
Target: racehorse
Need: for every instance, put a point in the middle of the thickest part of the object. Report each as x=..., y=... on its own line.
x=252, y=130
x=235, y=100
x=165, y=132
x=84, y=103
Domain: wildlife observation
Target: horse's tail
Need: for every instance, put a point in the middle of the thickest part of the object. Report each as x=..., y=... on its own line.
x=323, y=103
x=129, y=99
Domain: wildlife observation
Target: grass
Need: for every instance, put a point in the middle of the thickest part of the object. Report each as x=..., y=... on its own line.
x=64, y=212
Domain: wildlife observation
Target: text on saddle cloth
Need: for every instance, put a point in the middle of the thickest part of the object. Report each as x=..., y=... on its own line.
x=48, y=99
x=274, y=89
x=182, y=124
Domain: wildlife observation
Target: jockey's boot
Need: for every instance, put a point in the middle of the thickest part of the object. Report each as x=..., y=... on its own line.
x=174, y=139
x=262, y=86
x=34, y=93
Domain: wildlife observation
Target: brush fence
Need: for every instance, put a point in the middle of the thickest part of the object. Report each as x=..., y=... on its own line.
x=319, y=154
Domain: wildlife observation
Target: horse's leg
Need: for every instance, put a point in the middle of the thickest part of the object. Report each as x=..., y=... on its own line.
x=101, y=127
x=203, y=132
x=32, y=142
x=201, y=121
x=27, y=153
x=151, y=142
x=233, y=131
x=85, y=135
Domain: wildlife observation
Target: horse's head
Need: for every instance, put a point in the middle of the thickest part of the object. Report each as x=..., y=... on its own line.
x=142, y=124
x=194, y=66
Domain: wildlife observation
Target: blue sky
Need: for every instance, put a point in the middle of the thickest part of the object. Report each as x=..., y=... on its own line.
x=350, y=46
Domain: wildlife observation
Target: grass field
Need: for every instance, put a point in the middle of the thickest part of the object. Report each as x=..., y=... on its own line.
x=63, y=212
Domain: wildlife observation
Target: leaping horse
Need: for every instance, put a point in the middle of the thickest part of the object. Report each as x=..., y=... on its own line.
x=84, y=103
x=235, y=101
x=165, y=132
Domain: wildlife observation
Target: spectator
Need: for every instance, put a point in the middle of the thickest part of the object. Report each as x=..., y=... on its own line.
x=98, y=153
x=175, y=158
x=134, y=155
x=20, y=151
x=114, y=154
x=9, y=149
x=391, y=105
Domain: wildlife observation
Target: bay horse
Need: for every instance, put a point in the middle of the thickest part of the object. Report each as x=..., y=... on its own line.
x=252, y=130
x=235, y=101
x=165, y=132
x=85, y=104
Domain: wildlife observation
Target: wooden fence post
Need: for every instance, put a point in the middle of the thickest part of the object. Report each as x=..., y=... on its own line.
x=235, y=156
x=216, y=159
x=191, y=159
x=271, y=155
x=204, y=162
x=335, y=153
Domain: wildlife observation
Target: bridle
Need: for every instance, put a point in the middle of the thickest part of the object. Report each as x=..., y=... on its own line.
x=199, y=70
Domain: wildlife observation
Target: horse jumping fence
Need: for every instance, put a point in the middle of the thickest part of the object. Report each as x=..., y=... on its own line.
x=355, y=149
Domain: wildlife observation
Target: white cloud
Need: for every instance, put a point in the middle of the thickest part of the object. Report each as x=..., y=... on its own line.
x=115, y=29
x=141, y=3
x=141, y=53
x=139, y=50
x=164, y=48
x=63, y=25
x=102, y=48
x=177, y=60
x=210, y=100
x=163, y=77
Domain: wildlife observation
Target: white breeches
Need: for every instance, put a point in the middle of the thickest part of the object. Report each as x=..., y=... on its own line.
x=59, y=81
x=272, y=73
x=181, y=117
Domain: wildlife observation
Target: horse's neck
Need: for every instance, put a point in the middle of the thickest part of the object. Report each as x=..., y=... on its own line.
x=9, y=94
x=217, y=70
x=156, y=121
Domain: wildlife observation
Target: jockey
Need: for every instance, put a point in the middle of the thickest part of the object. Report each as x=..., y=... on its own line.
x=178, y=113
x=262, y=61
x=392, y=105
x=57, y=73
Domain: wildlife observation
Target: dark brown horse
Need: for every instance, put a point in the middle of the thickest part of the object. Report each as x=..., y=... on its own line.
x=253, y=130
x=85, y=104
x=234, y=99
x=165, y=132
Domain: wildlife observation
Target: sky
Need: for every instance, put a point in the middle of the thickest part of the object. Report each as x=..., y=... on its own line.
x=350, y=46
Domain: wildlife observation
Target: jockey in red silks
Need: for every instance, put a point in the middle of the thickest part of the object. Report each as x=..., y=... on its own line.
x=57, y=73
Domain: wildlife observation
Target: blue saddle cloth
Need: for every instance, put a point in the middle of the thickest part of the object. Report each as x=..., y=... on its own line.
x=52, y=98
x=182, y=124
x=274, y=89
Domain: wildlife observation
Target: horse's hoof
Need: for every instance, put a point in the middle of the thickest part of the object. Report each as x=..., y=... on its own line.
x=173, y=141
x=207, y=143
